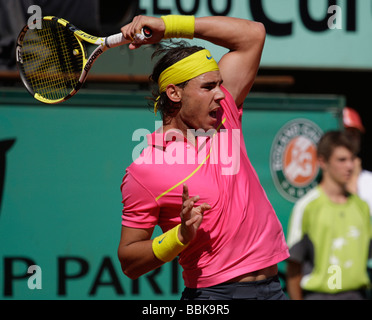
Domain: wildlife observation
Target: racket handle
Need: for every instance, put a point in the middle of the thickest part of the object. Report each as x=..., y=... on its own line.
x=119, y=40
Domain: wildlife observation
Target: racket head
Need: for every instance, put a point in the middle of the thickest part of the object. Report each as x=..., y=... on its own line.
x=50, y=60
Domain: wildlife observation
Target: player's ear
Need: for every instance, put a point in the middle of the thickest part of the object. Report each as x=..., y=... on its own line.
x=174, y=93
x=322, y=162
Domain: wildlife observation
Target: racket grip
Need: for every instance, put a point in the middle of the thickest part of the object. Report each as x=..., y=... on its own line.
x=116, y=40
x=119, y=40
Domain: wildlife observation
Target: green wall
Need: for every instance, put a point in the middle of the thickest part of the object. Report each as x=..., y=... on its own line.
x=61, y=202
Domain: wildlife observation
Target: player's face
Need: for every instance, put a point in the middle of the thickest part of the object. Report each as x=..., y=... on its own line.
x=340, y=165
x=200, y=101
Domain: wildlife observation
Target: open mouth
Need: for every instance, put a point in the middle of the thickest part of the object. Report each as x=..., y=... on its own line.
x=213, y=114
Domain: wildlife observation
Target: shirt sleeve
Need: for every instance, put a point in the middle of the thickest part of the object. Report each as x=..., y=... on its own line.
x=370, y=241
x=233, y=112
x=300, y=246
x=140, y=211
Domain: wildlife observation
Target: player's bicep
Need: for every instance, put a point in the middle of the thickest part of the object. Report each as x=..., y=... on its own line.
x=239, y=73
x=239, y=68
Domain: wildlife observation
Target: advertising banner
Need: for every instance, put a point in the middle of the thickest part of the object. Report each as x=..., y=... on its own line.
x=300, y=33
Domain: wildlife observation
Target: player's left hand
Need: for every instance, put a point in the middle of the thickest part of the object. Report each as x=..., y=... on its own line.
x=191, y=217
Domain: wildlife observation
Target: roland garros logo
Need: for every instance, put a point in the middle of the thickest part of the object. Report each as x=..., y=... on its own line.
x=293, y=161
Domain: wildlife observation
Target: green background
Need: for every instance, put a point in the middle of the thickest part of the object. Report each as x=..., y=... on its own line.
x=62, y=197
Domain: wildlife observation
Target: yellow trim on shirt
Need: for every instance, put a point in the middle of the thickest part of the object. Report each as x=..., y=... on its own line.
x=193, y=173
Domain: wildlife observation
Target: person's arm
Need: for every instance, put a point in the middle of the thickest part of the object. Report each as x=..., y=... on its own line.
x=294, y=276
x=135, y=250
x=245, y=39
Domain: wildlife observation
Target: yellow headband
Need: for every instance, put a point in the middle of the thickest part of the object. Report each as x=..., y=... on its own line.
x=189, y=68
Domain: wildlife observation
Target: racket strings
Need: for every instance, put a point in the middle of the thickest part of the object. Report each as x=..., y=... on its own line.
x=52, y=60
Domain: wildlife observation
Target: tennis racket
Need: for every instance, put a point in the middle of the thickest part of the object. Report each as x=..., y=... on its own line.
x=53, y=61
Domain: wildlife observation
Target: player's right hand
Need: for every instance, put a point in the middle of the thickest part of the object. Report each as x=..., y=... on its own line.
x=156, y=25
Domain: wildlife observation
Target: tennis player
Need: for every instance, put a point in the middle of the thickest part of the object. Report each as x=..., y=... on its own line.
x=214, y=213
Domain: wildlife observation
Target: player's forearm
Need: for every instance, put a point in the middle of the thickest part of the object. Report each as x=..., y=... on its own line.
x=294, y=288
x=138, y=259
x=231, y=33
x=294, y=276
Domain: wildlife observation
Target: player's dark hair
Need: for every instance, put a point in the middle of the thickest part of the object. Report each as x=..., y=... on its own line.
x=169, y=53
x=334, y=139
